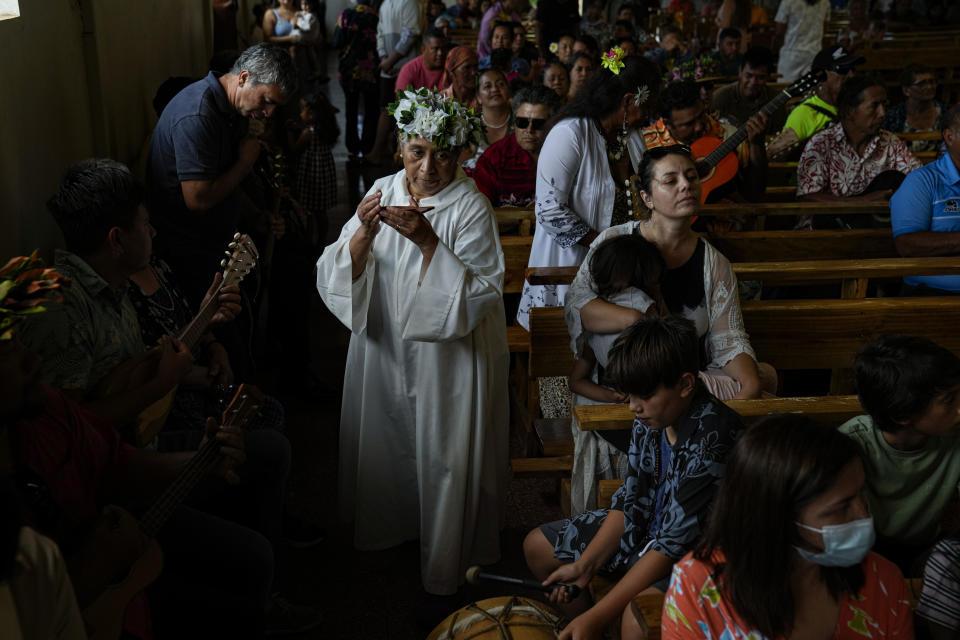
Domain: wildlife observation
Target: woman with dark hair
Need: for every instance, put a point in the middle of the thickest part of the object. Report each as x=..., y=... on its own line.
x=698, y=283
x=921, y=111
x=493, y=96
x=582, y=68
x=585, y=161
x=786, y=550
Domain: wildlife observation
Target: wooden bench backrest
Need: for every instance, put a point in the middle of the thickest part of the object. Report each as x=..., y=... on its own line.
x=802, y=271
x=831, y=410
x=818, y=334
x=516, y=254
x=789, y=334
x=827, y=244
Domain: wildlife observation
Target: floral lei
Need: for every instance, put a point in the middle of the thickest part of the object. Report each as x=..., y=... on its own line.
x=429, y=115
x=24, y=286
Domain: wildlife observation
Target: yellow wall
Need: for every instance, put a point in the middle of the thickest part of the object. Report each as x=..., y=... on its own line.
x=79, y=77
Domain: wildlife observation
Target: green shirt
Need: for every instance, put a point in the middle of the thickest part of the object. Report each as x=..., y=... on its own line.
x=85, y=337
x=907, y=490
x=806, y=121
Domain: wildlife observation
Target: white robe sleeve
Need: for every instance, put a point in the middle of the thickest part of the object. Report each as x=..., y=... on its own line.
x=347, y=299
x=462, y=284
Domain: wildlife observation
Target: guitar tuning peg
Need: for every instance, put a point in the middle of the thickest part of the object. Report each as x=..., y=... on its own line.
x=223, y=263
x=232, y=245
x=227, y=253
x=236, y=236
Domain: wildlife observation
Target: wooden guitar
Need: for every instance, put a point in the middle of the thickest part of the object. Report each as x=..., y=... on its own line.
x=104, y=616
x=141, y=368
x=716, y=161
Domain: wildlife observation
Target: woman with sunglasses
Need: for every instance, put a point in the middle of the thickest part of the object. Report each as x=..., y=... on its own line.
x=786, y=550
x=585, y=161
x=698, y=284
x=506, y=171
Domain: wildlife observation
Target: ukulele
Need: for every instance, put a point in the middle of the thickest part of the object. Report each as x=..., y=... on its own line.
x=716, y=161
x=139, y=369
x=104, y=616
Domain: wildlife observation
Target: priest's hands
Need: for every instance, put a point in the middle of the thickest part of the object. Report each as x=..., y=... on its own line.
x=412, y=224
x=369, y=213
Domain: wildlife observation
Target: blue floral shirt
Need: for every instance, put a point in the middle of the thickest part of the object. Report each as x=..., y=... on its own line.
x=705, y=437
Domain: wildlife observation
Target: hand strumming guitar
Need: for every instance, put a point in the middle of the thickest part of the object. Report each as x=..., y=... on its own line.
x=228, y=298
x=175, y=361
x=232, y=453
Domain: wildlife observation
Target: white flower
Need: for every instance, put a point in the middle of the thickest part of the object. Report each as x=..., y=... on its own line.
x=404, y=105
x=427, y=123
x=460, y=132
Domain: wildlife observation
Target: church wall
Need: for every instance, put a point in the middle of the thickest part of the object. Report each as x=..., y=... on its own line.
x=79, y=78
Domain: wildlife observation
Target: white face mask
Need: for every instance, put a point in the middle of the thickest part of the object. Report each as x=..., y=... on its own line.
x=844, y=545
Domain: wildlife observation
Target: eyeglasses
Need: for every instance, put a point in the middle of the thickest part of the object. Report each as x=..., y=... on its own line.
x=929, y=82
x=523, y=123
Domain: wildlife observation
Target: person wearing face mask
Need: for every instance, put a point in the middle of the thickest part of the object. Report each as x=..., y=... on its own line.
x=786, y=552
x=910, y=441
x=506, y=171
x=417, y=277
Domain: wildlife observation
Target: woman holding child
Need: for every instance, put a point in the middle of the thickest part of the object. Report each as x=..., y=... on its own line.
x=697, y=282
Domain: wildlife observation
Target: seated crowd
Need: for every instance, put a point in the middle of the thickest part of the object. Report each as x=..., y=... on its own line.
x=615, y=140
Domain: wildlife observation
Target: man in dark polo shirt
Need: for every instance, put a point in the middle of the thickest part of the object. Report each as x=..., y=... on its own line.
x=200, y=152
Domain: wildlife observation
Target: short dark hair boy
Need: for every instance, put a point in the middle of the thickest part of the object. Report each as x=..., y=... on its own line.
x=655, y=362
x=910, y=441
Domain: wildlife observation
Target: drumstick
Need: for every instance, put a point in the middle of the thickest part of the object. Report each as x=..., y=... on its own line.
x=475, y=575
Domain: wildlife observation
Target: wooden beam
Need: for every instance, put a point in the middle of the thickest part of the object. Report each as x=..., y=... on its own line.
x=828, y=409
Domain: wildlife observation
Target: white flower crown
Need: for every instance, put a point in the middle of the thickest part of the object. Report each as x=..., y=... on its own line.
x=443, y=121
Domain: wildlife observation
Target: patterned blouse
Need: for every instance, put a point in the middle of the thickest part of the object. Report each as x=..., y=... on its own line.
x=705, y=436
x=896, y=121
x=829, y=164
x=695, y=606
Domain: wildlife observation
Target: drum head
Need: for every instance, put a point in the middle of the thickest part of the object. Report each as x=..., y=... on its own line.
x=510, y=617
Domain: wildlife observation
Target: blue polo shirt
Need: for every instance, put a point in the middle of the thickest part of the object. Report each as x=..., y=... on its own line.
x=929, y=200
x=196, y=138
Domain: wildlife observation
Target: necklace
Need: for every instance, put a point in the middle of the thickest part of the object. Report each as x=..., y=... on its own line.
x=494, y=126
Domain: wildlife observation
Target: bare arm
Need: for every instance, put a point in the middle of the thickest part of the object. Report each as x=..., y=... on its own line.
x=651, y=566
x=270, y=30
x=360, y=244
x=921, y=244
x=600, y=316
x=581, y=383
x=201, y=195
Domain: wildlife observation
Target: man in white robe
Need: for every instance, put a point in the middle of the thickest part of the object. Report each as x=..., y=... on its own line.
x=417, y=277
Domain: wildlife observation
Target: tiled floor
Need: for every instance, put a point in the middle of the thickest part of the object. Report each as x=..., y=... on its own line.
x=369, y=595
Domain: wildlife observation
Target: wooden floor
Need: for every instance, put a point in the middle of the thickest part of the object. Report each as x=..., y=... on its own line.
x=368, y=595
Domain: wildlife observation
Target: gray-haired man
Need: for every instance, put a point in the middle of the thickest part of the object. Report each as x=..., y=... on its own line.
x=200, y=152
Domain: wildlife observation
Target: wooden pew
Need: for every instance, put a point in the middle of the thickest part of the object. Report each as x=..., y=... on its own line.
x=514, y=219
x=832, y=410
x=516, y=255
